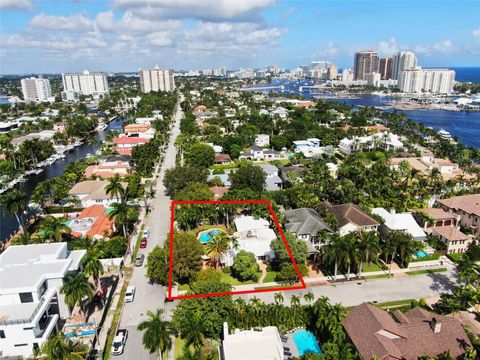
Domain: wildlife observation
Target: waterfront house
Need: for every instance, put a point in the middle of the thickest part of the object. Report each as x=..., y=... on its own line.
x=115, y=159
x=351, y=218
x=139, y=130
x=92, y=192
x=93, y=222
x=399, y=221
x=44, y=135
x=467, y=207
x=376, y=333
x=385, y=141
x=30, y=300
x=305, y=223
x=272, y=180
x=124, y=145
x=106, y=171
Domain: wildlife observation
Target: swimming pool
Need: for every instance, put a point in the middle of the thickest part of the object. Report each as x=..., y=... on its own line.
x=206, y=235
x=420, y=254
x=306, y=342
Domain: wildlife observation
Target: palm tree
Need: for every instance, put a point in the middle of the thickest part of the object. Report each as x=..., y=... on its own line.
x=217, y=247
x=93, y=268
x=349, y=251
x=54, y=228
x=295, y=300
x=309, y=297
x=157, y=333
x=115, y=187
x=192, y=333
x=25, y=238
x=14, y=202
x=278, y=297
x=368, y=246
x=390, y=248
x=119, y=211
x=76, y=288
x=467, y=270
x=334, y=253
x=60, y=348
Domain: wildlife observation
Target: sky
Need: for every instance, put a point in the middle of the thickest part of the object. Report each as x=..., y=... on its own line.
x=53, y=36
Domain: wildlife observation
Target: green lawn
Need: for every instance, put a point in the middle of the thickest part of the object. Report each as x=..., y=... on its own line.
x=371, y=267
x=376, y=277
x=455, y=257
x=185, y=287
x=270, y=276
x=229, y=279
x=421, y=272
x=396, y=303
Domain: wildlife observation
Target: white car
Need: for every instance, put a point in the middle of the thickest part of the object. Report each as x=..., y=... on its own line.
x=146, y=233
x=130, y=294
x=119, y=341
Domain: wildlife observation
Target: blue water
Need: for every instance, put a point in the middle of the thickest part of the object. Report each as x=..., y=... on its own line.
x=306, y=342
x=464, y=74
x=420, y=254
x=206, y=236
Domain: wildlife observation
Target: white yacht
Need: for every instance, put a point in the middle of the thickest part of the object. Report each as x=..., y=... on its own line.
x=444, y=134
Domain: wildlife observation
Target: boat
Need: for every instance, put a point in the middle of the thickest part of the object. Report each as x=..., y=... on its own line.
x=444, y=134
x=38, y=171
x=102, y=126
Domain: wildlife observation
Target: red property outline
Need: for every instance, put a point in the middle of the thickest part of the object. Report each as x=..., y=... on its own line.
x=231, y=202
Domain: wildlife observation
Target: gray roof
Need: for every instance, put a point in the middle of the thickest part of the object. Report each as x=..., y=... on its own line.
x=269, y=169
x=223, y=177
x=271, y=182
x=305, y=221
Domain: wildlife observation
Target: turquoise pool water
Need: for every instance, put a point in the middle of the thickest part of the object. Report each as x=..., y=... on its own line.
x=420, y=254
x=205, y=236
x=306, y=342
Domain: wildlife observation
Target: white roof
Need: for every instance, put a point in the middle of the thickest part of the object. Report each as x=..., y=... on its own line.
x=253, y=344
x=401, y=221
x=243, y=223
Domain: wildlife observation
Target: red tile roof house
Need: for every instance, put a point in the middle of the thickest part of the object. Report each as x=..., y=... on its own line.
x=106, y=171
x=92, y=222
x=124, y=145
x=468, y=207
x=439, y=216
x=405, y=336
x=456, y=241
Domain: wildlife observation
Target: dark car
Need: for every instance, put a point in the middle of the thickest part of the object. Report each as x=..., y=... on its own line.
x=139, y=260
x=143, y=243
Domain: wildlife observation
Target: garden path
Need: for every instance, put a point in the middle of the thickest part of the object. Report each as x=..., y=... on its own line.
x=263, y=269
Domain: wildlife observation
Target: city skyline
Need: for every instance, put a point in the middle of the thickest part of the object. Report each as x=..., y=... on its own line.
x=123, y=35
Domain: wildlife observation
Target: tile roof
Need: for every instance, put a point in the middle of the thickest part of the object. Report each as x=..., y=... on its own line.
x=93, y=211
x=468, y=203
x=305, y=221
x=407, y=336
x=437, y=213
x=218, y=191
x=450, y=233
x=351, y=213
x=130, y=140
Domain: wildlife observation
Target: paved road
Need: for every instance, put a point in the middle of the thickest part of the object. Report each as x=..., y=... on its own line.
x=150, y=297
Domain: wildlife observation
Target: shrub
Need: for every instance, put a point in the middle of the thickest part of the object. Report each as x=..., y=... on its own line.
x=245, y=266
x=287, y=274
x=227, y=270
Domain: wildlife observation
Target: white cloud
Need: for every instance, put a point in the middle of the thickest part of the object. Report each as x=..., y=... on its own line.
x=445, y=47
x=24, y=5
x=131, y=23
x=75, y=23
x=206, y=10
x=476, y=33
x=160, y=38
x=390, y=47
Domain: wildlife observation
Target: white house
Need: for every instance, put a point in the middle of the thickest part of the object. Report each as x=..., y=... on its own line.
x=31, y=304
x=272, y=181
x=281, y=112
x=255, y=344
x=262, y=140
x=256, y=153
x=401, y=221
x=92, y=192
x=309, y=148
x=385, y=141
x=253, y=236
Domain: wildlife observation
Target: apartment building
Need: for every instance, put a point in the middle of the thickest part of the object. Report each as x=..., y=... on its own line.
x=36, y=90
x=84, y=83
x=156, y=79
x=31, y=277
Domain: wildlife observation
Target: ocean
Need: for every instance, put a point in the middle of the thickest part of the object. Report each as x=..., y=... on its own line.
x=464, y=74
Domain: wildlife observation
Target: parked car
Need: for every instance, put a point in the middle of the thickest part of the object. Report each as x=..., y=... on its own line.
x=143, y=243
x=119, y=341
x=130, y=294
x=146, y=233
x=139, y=260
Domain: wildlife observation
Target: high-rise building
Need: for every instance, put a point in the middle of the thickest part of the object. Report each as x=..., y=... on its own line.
x=156, y=79
x=373, y=79
x=347, y=76
x=36, y=89
x=386, y=68
x=366, y=62
x=403, y=60
x=418, y=80
x=85, y=83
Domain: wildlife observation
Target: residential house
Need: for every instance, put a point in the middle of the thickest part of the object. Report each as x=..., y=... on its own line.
x=217, y=148
x=30, y=300
x=280, y=112
x=92, y=192
x=218, y=191
x=291, y=173
x=93, y=222
x=351, y=218
x=404, y=336
x=106, y=171
x=44, y=135
x=309, y=148
x=222, y=159
x=258, y=343
x=115, y=159
x=124, y=145
x=224, y=178
x=139, y=130
x=385, y=141
x=262, y=140
x=399, y=221
x=467, y=207
x=305, y=223
x=256, y=153
x=272, y=181
x=435, y=217
x=455, y=240
x=253, y=235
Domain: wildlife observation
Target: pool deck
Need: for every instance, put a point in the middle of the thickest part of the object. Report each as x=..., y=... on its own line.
x=207, y=231
x=292, y=346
